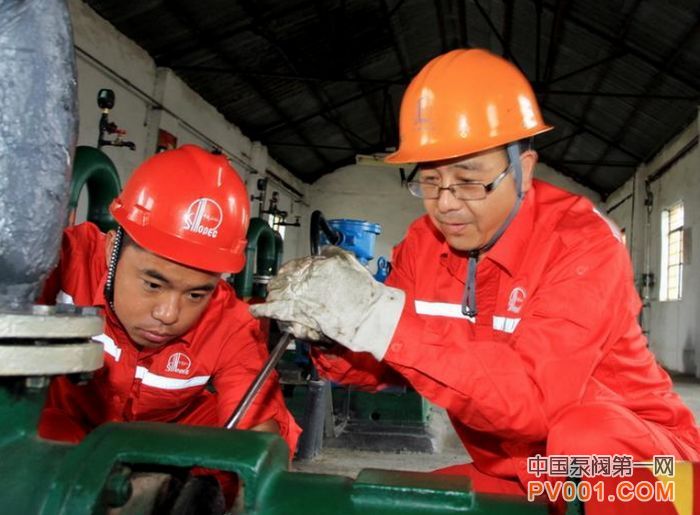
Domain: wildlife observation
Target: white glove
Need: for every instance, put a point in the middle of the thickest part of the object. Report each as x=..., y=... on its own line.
x=334, y=297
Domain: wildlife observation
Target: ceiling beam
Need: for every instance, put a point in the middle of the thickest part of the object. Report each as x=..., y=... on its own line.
x=555, y=36
x=337, y=34
x=578, y=125
x=266, y=131
x=462, y=22
x=508, y=25
x=507, y=52
x=639, y=54
x=262, y=29
x=573, y=134
x=538, y=38
x=614, y=49
x=619, y=94
x=310, y=145
x=334, y=24
x=183, y=50
x=654, y=82
x=226, y=70
x=178, y=11
x=588, y=67
x=440, y=15
x=564, y=170
x=387, y=15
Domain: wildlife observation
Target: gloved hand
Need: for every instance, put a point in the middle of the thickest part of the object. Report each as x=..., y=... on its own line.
x=332, y=296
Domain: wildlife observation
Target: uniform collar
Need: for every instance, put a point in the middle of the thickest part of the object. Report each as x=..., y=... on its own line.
x=507, y=252
x=509, y=249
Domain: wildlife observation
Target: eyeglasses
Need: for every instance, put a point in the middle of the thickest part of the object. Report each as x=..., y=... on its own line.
x=470, y=190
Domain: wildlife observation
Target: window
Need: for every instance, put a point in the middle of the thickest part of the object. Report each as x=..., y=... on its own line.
x=275, y=221
x=671, y=253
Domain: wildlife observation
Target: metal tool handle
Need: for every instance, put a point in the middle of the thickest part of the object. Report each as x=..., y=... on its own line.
x=256, y=385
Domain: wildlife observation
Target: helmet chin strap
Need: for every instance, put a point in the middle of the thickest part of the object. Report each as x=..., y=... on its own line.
x=469, y=297
x=112, y=267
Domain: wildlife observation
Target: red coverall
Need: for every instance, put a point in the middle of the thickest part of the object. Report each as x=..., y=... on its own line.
x=555, y=361
x=168, y=384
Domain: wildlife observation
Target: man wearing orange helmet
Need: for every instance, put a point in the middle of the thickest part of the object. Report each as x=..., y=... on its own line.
x=510, y=304
x=172, y=326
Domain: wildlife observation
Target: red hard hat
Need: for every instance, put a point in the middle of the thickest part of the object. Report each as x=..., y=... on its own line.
x=463, y=102
x=187, y=205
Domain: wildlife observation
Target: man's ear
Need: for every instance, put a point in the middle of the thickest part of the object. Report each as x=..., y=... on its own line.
x=109, y=245
x=528, y=160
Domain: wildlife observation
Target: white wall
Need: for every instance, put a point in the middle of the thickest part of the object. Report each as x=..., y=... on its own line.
x=672, y=326
x=150, y=98
x=371, y=193
x=548, y=174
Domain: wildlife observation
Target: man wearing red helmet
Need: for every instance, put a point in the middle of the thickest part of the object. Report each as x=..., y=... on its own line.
x=172, y=326
x=511, y=303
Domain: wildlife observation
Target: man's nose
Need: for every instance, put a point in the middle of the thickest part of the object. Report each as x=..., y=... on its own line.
x=447, y=201
x=167, y=310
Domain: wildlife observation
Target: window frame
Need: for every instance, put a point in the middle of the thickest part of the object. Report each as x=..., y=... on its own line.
x=672, y=258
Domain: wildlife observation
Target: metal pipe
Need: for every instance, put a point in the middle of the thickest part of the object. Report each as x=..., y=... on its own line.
x=37, y=139
x=257, y=384
x=263, y=256
x=318, y=224
x=314, y=416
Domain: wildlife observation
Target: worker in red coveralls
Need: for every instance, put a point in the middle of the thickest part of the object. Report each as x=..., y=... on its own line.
x=510, y=304
x=172, y=325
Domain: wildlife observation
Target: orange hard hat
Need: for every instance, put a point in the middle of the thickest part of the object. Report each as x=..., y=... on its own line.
x=463, y=102
x=187, y=205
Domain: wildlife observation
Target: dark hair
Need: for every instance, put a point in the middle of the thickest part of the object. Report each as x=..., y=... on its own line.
x=526, y=144
x=129, y=241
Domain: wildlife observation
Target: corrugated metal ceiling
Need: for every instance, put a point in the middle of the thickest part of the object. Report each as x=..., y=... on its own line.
x=320, y=81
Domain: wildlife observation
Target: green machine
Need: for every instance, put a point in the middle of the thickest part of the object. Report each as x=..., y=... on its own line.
x=263, y=255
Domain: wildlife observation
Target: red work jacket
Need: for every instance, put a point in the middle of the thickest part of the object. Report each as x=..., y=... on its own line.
x=226, y=347
x=556, y=327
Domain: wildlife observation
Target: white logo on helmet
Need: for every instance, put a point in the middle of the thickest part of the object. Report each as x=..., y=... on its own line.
x=204, y=217
x=179, y=363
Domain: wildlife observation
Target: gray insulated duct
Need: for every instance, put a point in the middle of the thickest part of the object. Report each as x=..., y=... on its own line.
x=38, y=124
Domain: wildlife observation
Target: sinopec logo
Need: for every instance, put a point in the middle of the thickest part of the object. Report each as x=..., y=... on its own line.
x=204, y=217
x=179, y=363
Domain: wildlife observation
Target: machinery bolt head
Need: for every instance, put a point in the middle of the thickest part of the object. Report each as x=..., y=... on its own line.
x=118, y=488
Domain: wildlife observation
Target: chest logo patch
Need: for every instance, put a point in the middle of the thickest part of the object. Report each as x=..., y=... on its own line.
x=179, y=363
x=516, y=299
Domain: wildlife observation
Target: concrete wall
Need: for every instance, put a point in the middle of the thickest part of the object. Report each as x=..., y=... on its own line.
x=672, y=326
x=150, y=98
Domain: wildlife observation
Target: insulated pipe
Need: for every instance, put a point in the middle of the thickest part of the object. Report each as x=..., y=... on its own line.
x=263, y=242
x=38, y=127
x=93, y=169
